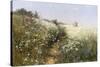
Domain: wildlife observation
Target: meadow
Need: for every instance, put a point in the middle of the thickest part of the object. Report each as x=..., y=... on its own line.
x=43, y=41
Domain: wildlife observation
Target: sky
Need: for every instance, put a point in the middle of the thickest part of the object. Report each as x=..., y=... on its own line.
x=85, y=15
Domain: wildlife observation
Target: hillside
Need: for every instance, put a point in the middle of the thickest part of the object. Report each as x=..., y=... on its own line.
x=38, y=41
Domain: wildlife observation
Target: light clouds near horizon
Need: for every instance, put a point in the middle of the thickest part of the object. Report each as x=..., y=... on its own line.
x=68, y=13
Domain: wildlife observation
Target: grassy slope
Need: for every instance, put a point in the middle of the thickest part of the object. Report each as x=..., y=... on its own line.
x=34, y=39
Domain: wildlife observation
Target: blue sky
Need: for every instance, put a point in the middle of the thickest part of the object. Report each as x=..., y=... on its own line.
x=68, y=13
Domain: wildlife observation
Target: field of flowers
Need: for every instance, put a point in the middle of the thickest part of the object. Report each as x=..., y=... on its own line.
x=44, y=42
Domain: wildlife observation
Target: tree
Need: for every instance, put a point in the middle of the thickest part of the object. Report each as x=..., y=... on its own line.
x=21, y=11
x=55, y=22
x=25, y=14
x=75, y=24
x=36, y=15
x=29, y=13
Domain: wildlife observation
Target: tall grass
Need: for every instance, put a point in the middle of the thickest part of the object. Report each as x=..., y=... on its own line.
x=84, y=49
x=35, y=43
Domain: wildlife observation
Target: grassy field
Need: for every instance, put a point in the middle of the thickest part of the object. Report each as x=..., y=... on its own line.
x=43, y=42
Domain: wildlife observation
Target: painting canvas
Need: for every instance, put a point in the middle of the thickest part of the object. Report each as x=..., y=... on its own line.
x=52, y=33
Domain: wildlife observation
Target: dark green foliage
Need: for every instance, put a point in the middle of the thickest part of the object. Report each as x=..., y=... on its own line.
x=24, y=12
x=21, y=11
x=36, y=15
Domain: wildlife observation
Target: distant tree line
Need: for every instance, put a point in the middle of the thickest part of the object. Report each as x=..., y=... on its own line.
x=26, y=14
x=23, y=11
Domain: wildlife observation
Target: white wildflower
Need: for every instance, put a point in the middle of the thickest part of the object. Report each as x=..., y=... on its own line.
x=71, y=48
x=35, y=48
x=76, y=49
x=39, y=51
x=28, y=54
x=36, y=61
x=86, y=38
x=32, y=28
x=34, y=40
x=42, y=44
x=25, y=59
x=67, y=50
x=27, y=33
x=31, y=60
x=28, y=41
x=58, y=40
x=77, y=42
x=52, y=35
x=26, y=45
x=20, y=49
x=16, y=46
x=36, y=35
x=55, y=38
x=20, y=44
